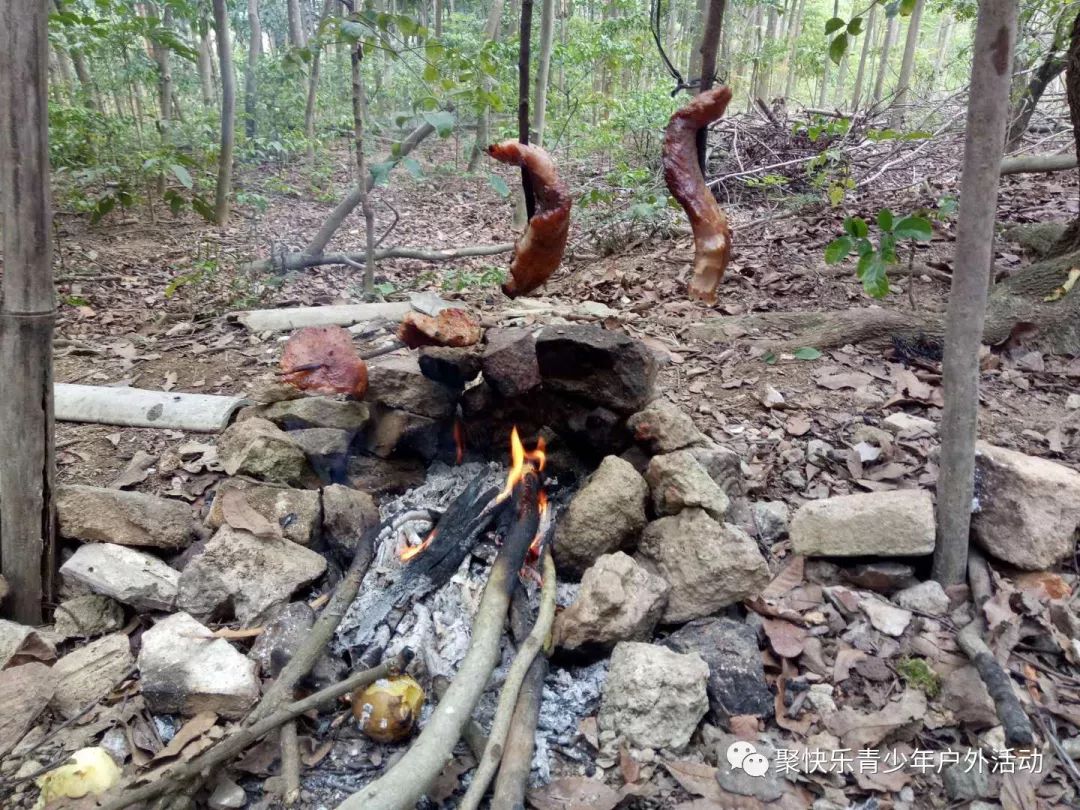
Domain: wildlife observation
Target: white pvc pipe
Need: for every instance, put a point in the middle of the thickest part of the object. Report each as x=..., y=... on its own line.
x=136, y=407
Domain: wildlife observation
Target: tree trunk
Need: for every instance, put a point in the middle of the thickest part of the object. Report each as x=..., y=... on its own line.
x=78, y=62
x=438, y=19
x=251, y=97
x=907, y=67
x=827, y=69
x=794, y=30
x=1050, y=68
x=357, y=55
x=296, y=24
x=228, y=112
x=206, y=76
x=162, y=56
x=860, y=74
x=699, y=25
x=883, y=62
x=543, y=69
x=988, y=109
x=765, y=64
x=27, y=315
x=483, y=121
x=944, y=41
x=524, y=55
x=313, y=85
x=1070, y=240
x=710, y=41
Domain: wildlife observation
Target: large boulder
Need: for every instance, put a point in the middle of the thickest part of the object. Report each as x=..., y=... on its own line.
x=608, y=368
x=90, y=672
x=605, y=514
x=881, y=524
x=736, y=673
x=1028, y=507
x=184, y=669
x=709, y=565
x=618, y=601
x=260, y=449
x=317, y=412
x=653, y=697
x=296, y=511
x=246, y=573
x=126, y=575
x=100, y=515
x=664, y=428
x=679, y=481
x=396, y=381
x=509, y=361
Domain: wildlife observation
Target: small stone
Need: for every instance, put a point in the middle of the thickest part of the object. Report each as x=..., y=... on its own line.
x=1072, y=402
x=100, y=515
x=347, y=514
x=227, y=795
x=246, y=573
x=907, y=426
x=771, y=520
x=709, y=565
x=964, y=695
x=128, y=576
x=317, y=412
x=889, y=524
x=89, y=672
x=509, y=362
x=450, y=366
x=608, y=368
x=886, y=618
x=379, y=476
x=296, y=511
x=1028, y=508
x=260, y=449
x=396, y=381
x=183, y=669
x=88, y=617
x=22, y=644
x=678, y=481
x=653, y=697
x=964, y=783
x=618, y=601
x=886, y=576
x=606, y=513
x=927, y=597
x=664, y=428
x=817, y=452
x=736, y=673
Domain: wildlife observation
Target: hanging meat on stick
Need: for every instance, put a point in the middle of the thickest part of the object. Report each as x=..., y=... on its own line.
x=712, y=236
x=540, y=249
x=323, y=360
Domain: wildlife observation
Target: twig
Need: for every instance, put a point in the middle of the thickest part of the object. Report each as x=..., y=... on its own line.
x=290, y=764
x=473, y=733
x=508, y=698
x=172, y=778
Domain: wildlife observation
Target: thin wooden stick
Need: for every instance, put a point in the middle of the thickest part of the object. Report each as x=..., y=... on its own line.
x=500, y=726
x=290, y=764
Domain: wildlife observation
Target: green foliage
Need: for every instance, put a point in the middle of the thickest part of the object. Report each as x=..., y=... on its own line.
x=460, y=280
x=918, y=674
x=875, y=260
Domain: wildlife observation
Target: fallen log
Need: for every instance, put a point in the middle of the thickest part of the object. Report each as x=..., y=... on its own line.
x=137, y=407
x=280, y=320
x=1031, y=164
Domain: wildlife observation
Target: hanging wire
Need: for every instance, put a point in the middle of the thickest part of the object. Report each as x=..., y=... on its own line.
x=654, y=24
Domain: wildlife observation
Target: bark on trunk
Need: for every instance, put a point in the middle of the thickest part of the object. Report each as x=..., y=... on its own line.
x=907, y=67
x=1070, y=240
x=228, y=112
x=313, y=85
x=883, y=63
x=483, y=121
x=543, y=69
x=860, y=75
x=358, y=99
x=710, y=41
x=794, y=29
x=206, y=78
x=296, y=24
x=251, y=97
x=988, y=110
x=1050, y=68
x=27, y=315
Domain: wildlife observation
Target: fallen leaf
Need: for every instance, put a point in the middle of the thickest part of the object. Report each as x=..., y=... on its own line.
x=448, y=780
x=785, y=638
x=695, y=777
x=858, y=729
x=590, y=731
x=852, y=379
x=136, y=471
x=573, y=793
x=790, y=577
x=744, y=726
x=798, y=425
x=845, y=660
x=190, y=731
x=238, y=513
x=628, y=766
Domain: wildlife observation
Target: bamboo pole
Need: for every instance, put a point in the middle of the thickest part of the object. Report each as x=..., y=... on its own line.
x=27, y=314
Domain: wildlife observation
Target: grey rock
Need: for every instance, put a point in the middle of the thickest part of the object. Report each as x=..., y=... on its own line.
x=678, y=481
x=185, y=670
x=296, y=511
x=817, y=452
x=88, y=617
x=396, y=381
x=709, y=565
x=964, y=695
x=1028, y=507
x=771, y=520
x=926, y=597
x=327, y=451
x=317, y=412
x=618, y=601
x=449, y=365
x=608, y=368
x=736, y=673
x=100, y=515
x=247, y=573
x=509, y=362
x=765, y=788
x=604, y=515
x=396, y=431
x=347, y=514
x=664, y=428
x=883, y=576
x=282, y=637
x=887, y=524
x=127, y=575
x=964, y=783
x=260, y=449
x=21, y=644
x=380, y=476
x=906, y=425
x=723, y=465
x=227, y=795
x=653, y=697
x=889, y=619
x=89, y=673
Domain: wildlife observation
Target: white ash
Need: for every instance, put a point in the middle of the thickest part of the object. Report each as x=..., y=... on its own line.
x=570, y=695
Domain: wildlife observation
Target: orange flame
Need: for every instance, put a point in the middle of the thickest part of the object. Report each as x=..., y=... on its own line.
x=518, y=456
x=408, y=552
x=534, y=547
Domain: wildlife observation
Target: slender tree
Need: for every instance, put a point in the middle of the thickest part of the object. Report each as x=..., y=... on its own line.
x=860, y=74
x=483, y=121
x=27, y=315
x=883, y=62
x=358, y=105
x=543, y=69
x=313, y=82
x=228, y=112
x=987, y=115
x=296, y=24
x=794, y=29
x=907, y=67
x=710, y=41
x=206, y=72
x=251, y=97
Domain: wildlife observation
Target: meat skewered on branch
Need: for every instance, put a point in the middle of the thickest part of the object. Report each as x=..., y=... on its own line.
x=323, y=360
x=539, y=250
x=682, y=173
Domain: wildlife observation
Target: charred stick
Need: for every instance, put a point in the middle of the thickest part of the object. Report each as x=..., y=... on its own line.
x=508, y=698
x=409, y=778
x=174, y=779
